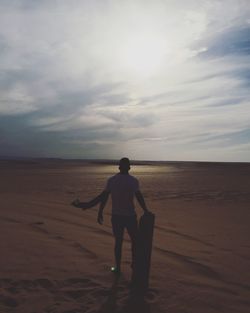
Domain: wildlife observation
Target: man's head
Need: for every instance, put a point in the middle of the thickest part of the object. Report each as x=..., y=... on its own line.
x=124, y=165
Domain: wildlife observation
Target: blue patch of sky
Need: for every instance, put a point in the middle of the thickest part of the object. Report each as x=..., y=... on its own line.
x=231, y=41
x=229, y=139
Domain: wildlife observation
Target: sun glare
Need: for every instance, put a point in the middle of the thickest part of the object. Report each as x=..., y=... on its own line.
x=142, y=54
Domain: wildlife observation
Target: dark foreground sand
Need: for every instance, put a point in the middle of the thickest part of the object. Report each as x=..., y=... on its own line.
x=56, y=258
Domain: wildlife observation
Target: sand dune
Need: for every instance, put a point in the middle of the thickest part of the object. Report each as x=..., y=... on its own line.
x=56, y=258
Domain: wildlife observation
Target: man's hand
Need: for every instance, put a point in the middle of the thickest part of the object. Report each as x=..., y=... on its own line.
x=100, y=218
x=146, y=211
x=141, y=201
x=82, y=205
x=75, y=203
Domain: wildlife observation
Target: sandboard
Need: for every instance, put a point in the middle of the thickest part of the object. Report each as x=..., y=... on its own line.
x=140, y=275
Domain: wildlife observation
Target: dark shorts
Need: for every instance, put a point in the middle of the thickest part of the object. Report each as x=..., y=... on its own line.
x=119, y=223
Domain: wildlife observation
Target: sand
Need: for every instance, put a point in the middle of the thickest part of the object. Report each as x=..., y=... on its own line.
x=56, y=258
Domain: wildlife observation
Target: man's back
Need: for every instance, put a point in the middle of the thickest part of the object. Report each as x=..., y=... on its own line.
x=122, y=188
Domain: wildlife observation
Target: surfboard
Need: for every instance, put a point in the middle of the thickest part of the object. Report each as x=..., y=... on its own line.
x=141, y=270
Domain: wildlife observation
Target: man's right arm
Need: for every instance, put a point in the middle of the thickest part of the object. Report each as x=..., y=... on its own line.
x=141, y=201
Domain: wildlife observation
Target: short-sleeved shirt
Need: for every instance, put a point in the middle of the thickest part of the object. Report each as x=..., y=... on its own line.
x=122, y=188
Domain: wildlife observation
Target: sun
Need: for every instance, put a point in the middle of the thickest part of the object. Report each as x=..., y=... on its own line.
x=142, y=54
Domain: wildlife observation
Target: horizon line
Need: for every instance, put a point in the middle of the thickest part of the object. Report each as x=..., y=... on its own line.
x=109, y=160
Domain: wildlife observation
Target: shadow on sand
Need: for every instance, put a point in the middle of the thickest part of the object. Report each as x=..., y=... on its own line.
x=134, y=303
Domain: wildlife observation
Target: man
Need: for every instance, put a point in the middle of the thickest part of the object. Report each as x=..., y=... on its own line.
x=122, y=187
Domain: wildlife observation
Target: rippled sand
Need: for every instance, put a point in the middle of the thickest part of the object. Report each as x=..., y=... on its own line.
x=56, y=258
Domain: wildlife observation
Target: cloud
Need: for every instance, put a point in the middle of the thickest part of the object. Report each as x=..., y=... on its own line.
x=68, y=89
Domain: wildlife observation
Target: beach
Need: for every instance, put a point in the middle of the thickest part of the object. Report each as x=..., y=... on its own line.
x=56, y=258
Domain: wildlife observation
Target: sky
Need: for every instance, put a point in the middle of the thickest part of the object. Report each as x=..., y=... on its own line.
x=103, y=79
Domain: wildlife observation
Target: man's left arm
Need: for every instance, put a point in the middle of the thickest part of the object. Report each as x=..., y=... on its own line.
x=89, y=204
x=105, y=196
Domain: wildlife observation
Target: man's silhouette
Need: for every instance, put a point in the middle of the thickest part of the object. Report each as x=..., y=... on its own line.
x=122, y=187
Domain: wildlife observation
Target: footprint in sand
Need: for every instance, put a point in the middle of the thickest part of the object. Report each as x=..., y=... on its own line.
x=8, y=301
x=152, y=295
